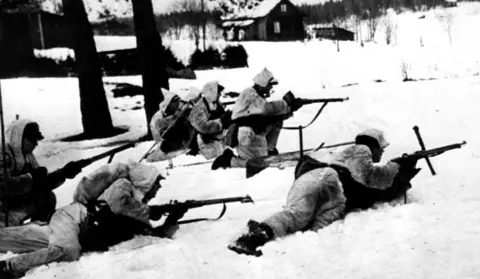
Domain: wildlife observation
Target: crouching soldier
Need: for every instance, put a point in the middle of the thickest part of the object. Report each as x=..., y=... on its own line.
x=210, y=120
x=257, y=122
x=110, y=206
x=171, y=128
x=29, y=187
x=324, y=192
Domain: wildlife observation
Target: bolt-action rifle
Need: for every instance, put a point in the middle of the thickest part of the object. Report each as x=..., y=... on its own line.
x=322, y=100
x=189, y=204
x=85, y=162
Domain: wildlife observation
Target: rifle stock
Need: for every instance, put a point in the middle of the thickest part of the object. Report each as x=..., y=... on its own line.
x=323, y=100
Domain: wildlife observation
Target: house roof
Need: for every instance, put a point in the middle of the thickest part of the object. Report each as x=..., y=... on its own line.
x=26, y=8
x=251, y=12
x=237, y=23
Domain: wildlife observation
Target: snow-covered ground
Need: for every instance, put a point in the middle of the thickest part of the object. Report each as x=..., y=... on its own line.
x=436, y=235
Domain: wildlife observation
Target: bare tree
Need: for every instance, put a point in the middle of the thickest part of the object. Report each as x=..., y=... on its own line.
x=405, y=67
x=193, y=8
x=204, y=24
x=96, y=118
x=151, y=52
x=373, y=20
x=390, y=28
x=176, y=25
x=446, y=19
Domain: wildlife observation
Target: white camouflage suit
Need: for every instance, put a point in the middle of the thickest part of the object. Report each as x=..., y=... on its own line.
x=249, y=103
x=316, y=198
x=164, y=118
x=121, y=186
x=199, y=118
x=19, y=181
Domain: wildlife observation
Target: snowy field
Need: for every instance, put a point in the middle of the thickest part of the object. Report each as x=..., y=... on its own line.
x=435, y=235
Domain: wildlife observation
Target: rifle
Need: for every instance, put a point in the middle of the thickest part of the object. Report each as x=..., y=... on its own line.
x=228, y=103
x=425, y=154
x=325, y=102
x=189, y=204
x=256, y=165
x=322, y=100
x=85, y=162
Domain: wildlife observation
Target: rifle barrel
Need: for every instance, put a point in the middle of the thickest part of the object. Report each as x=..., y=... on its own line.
x=439, y=150
x=228, y=103
x=323, y=100
x=92, y=159
x=217, y=201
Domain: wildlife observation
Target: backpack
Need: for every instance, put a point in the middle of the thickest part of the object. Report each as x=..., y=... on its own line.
x=104, y=228
x=179, y=134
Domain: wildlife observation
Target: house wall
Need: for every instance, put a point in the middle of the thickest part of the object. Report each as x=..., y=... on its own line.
x=15, y=43
x=291, y=23
x=54, y=28
x=262, y=29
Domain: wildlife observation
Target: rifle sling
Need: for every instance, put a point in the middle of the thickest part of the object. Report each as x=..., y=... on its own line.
x=224, y=209
x=311, y=122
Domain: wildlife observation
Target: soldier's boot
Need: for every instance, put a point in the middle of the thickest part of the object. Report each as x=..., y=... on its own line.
x=4, y=272
x=223, y=161
x=258, y=234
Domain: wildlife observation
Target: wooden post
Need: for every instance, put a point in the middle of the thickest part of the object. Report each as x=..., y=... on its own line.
x=300, y=133
x=40, y=30
x=4, y=158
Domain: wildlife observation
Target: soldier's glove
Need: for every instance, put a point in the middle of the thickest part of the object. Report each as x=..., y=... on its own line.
x=289, y=98
x=297, y=104
x=39, y=176
x=156, y=212
x=71, y=169
x=406, y=162
x=294, y=103
x=226, y=119
x=176, y=215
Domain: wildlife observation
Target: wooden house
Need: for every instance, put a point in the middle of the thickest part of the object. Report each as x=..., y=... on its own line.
x=332, y=33
x=449, y=3
x=270, y=20
x=25, y=28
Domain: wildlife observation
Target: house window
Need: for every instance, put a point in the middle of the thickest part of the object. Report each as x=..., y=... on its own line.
x=276, y=27
x=283, y=8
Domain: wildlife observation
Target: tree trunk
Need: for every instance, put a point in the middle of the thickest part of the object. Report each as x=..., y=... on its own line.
x=150, y=52
x=204, y=26
x=96, y=119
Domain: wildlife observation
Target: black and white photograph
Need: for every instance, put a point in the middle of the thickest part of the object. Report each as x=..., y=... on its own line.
x=239, y=139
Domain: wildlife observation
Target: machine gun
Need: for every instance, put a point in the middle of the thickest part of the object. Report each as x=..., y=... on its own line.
x=189, y=204
x=406, y=175
x=425, y=154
